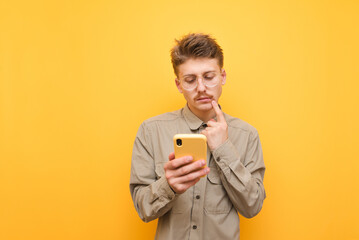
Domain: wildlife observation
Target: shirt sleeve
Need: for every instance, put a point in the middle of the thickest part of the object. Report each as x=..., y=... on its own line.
x=152, y=196
x=242, y=176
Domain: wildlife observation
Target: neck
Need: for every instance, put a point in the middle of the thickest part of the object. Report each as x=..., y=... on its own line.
x=205, y=116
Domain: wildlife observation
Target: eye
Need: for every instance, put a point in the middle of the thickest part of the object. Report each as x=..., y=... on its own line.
x=189, y=80
x=209, y=77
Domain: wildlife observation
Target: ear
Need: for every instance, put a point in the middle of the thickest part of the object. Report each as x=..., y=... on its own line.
x=224, y=75
x=178, y=84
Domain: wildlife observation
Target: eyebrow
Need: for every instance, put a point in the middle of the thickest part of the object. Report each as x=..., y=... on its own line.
x=186, y=75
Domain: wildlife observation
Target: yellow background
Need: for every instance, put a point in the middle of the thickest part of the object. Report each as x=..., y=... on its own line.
x=77, y=78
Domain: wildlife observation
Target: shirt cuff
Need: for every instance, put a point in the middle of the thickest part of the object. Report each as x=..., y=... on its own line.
x=228, y=160
x=225, y=153
x=164, y=190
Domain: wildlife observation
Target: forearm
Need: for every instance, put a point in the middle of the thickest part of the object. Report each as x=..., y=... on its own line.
x=246, y=192
x=244, y=185
x=154, y=200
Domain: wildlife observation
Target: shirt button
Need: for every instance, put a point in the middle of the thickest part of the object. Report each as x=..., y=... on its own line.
x=194, y=227
x=198, y=197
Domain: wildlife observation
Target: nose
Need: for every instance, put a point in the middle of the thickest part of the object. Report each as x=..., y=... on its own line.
x=200, y=87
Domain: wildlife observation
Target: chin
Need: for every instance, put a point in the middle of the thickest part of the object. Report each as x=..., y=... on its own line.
x=204, y=107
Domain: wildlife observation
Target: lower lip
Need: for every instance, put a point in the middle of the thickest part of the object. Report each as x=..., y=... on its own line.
x=204, y=100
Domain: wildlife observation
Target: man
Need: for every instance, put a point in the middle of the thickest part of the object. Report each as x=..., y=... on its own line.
x=188, y=205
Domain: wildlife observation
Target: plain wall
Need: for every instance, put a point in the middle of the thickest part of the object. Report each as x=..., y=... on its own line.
x=77, y=78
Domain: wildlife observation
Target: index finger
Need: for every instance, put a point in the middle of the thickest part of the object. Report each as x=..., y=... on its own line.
x=171, y=156
x=219, y=113
x=178, y=162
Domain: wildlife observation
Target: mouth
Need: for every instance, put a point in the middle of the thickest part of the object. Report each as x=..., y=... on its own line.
x=204, y=99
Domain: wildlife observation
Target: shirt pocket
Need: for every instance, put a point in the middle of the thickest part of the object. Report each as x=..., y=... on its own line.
x=216, y=198
x=183, y=201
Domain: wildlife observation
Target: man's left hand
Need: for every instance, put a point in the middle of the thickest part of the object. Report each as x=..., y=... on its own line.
x=217, y=131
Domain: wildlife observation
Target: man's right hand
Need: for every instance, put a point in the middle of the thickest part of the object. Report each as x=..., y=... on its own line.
x=182, y=173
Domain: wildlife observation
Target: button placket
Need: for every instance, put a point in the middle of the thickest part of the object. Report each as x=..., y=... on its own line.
x=198, y=202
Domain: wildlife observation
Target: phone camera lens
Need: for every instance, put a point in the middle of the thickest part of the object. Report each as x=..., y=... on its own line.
x=179, y=142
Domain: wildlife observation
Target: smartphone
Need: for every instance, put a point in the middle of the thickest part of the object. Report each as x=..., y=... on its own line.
x=194, y=145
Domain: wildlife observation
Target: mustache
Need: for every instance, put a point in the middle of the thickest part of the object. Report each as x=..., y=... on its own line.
x=203, y=96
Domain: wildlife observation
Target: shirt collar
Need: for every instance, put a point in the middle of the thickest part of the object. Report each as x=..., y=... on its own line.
x=192, y=120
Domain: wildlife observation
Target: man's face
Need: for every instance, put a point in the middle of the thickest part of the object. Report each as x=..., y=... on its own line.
x=201, y=70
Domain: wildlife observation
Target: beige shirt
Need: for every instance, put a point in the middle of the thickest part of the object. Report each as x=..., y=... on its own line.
x=208, y=210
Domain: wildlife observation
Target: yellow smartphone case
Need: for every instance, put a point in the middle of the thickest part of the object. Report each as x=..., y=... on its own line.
x=194, y=145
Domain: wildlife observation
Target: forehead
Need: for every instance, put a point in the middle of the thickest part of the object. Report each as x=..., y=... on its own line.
x=198, y=66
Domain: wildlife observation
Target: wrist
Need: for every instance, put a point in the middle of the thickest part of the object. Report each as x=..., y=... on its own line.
x=172, y=189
